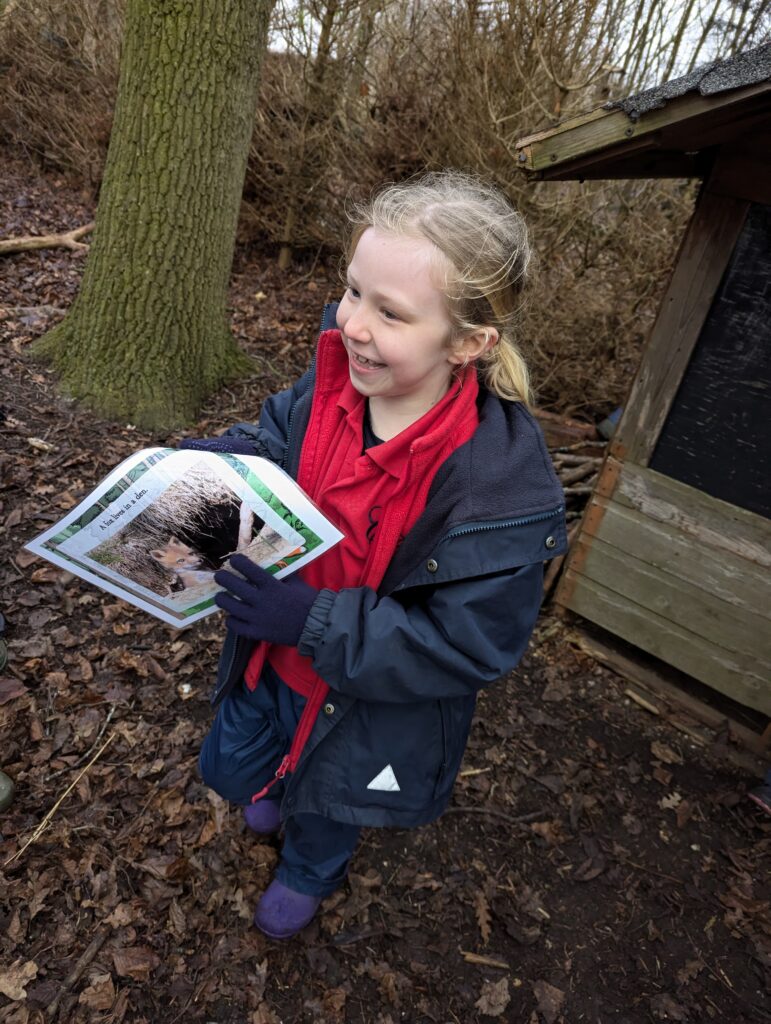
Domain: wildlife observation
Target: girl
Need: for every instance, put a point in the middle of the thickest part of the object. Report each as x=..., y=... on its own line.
x=345, y=696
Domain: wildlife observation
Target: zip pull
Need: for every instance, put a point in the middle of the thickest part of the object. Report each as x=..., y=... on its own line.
x=281, y=771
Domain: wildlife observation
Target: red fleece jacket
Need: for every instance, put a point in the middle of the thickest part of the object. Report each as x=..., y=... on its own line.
x=374, y=498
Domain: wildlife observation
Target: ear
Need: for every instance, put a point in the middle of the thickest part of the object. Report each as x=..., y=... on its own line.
x=473, y=345
x=157, y=554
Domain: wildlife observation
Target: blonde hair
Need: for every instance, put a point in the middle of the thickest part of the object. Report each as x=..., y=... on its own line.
x=486, y=252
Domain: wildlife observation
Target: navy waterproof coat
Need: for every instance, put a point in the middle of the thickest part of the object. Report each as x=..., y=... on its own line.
x=454, y=612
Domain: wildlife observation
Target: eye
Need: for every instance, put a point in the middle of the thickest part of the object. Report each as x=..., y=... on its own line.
x=353, y=292
x=389, y=315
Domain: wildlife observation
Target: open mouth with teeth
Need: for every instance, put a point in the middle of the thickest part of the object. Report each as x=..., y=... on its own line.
x=368, y=364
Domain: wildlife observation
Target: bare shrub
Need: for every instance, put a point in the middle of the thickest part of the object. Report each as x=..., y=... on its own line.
x=58, y=79
x=365, y=91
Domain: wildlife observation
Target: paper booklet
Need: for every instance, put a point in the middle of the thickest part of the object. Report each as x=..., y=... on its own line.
x=157, y=528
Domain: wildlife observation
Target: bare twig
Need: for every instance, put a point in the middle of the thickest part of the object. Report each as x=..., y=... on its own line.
x=81, y=759
x=572, y=476
x=47, y=819
x=521, y=819
x=78, y=970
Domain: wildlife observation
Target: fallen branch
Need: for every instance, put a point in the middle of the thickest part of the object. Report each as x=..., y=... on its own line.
x=559, y=449
x=578, y=490
x=68, y=239
x=562, y=459
x=10, y=312
x=572, y=476
x=78, y=970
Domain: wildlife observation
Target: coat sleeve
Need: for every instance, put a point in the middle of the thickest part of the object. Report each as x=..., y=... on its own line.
x=464, y=635
x=270, y=436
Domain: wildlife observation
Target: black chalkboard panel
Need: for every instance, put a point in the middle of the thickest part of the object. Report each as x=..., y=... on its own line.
x=717, y=436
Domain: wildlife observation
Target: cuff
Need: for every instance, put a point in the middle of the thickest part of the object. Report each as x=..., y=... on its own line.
x=316, y=622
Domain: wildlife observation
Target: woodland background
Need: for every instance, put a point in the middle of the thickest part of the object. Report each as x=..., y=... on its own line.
x=598, y=863
x=357, y=92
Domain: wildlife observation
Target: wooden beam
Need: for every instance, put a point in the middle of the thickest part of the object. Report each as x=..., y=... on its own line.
x=603, y=129
x=684, y=603
x=713, y=524
x=704, y=254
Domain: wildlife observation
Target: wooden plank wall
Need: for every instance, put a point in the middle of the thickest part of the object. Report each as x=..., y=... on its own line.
x=680, y=574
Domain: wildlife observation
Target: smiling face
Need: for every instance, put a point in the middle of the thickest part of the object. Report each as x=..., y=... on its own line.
x=396, y=329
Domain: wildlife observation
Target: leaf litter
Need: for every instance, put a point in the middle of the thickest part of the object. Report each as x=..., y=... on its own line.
x=134, y=902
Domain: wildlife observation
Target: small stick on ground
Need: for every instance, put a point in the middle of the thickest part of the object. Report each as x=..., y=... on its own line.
x=521, y=819
x=67, y=239
x=47, y=819
x=77, y=971
x=80, y=760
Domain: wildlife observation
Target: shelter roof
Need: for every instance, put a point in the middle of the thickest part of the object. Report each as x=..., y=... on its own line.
x=671, y=130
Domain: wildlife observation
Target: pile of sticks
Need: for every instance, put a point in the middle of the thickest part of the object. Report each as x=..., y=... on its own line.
x=577, y=466
x=577, y=453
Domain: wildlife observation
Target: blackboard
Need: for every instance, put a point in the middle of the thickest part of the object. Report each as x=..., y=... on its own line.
x=718, y=433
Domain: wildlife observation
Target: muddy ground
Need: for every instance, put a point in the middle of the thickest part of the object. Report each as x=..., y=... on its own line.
x=595, y=866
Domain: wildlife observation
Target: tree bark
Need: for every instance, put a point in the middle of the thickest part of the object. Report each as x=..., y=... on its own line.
x=147, y=337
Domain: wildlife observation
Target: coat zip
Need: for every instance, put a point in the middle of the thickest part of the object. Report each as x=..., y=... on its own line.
x=522, y=521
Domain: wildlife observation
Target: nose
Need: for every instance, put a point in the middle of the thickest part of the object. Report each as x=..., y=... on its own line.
x=356, y=324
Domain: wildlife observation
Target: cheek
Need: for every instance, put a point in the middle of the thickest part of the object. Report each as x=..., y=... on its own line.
x=341, y=317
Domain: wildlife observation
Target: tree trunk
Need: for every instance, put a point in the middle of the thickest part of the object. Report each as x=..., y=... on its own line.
x=147, y=337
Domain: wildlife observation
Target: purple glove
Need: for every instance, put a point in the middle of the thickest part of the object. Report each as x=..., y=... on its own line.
x=268, y=609
x=231, y=445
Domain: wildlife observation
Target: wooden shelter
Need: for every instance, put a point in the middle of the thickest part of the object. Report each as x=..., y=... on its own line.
x=674, y=548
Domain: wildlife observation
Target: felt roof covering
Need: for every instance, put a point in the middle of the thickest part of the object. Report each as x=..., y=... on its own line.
x=671, y=130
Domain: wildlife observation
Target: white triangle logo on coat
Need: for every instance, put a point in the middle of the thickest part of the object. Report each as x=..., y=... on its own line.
x=385, y=780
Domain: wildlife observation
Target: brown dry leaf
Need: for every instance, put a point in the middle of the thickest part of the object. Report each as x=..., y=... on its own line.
x=37, y=900
x=683, y=813
x=259, y=979
x=14, y=979
x=494, y=999
x=177, y=919
x=691, y=970
x=264, y=1015
x=135, y=962
x=664, y=1007
x=664, y=753
x=333, y=1004
x=11, y=688
x=165, y=866
x=661, y=775
x=16, y=930
x=671, y=802
x=548, y=830
x=208, y=832
x=125, y=913
x=100, y=994
x=550, y=1000
x=484, y=920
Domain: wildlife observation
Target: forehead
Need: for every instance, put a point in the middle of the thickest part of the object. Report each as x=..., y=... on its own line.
x=399, y=264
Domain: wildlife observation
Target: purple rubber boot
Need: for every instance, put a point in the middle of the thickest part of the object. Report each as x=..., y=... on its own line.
x=282, y=912
x=262, y=817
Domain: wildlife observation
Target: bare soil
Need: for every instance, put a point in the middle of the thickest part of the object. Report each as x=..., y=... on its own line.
x=595, y=865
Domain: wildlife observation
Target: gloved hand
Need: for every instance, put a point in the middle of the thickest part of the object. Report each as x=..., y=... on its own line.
x=231, y=445
x=261, y=607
